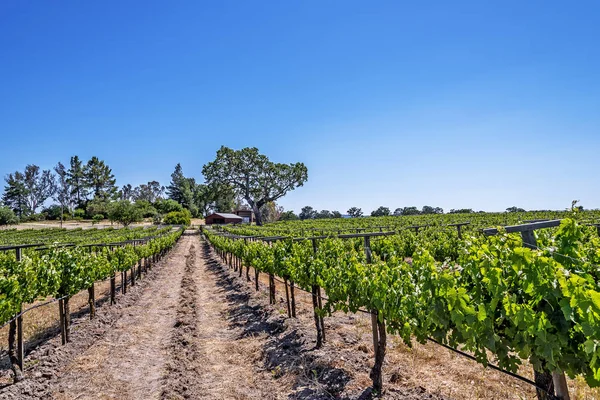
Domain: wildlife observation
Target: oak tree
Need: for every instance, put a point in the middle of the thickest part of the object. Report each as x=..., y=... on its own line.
x=253, y=176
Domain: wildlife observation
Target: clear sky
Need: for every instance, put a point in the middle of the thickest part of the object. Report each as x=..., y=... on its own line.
x=455, y=104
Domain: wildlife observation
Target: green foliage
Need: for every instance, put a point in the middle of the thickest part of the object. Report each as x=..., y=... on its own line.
x=381, y=212
x=68, y=270
x=97, y=206
x=178, y=218
x=145, y=208
x=307, y=212
x=98, y=177
x=167, y=206
x=124, y=212
x=79, y=213
x=7, y=216
x=288, y=216
x=52, y=212
x=487, y=295
x=97, y=218
x=253, y=176
x=355, y=212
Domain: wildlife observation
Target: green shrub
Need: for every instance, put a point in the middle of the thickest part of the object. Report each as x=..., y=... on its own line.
x=97, y=218
x=52, y=212
x=178, y=218
x=7, y=216
x=78, y=213
x=124, y=212
x=167, y=206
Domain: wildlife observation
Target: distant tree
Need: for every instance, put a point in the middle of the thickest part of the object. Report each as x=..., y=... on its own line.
x=98, y=206
x=307, y=212
x=288, y=216
x=64, y=191
x=253, y=176
x=53, y=212
x=181, y=189
x=432, y=210
x=398, y=211
x=271, y=212
x=39, y=186
x=146, y=208
x=166, y=206
x=124, y=212
x=100, y=179
x=323, y=214
x=336, y=214
x=126, y=192
x=15, y=194
x=355, y=212
x=514, y=209
x=381, y=212
x=461, y=211
x=151, y=192
x=76, y=180
x=410, y=211
x=7, y=216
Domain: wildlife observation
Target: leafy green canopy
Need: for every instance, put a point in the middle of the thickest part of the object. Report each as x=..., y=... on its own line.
x=253, y=176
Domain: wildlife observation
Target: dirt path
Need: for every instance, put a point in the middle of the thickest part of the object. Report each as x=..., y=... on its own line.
x=129, y=361
x=175, y=342
x=210, y=358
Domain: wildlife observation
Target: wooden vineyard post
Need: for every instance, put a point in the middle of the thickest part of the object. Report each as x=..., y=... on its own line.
x=315, y=292
x=373, y=314
x=248, y=265
x=124, y=281
x=256, y=277
x=293, y=299
x=61, y=313
x=92, y=301
x=113, y=289
x=379, y=335
x=287, y=298
x=272, y=295
x=20, y=346
x=133, y=274
x=67, y=319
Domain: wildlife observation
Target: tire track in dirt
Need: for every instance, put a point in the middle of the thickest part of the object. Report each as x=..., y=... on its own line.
x=211, y=358
x=129, y=361
x=182, y=369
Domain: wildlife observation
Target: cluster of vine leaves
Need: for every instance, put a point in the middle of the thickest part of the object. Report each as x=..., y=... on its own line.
x=491, y=296
x=65, y=271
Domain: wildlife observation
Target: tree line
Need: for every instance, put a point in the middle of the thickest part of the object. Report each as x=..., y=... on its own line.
x=81, y=190
x=235, y=179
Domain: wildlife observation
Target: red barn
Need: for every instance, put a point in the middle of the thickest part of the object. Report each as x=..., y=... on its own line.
x=223, y=218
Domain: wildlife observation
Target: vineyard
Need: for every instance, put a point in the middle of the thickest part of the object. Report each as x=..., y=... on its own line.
x=40, y=267
x=515, y=292
x=525, y=293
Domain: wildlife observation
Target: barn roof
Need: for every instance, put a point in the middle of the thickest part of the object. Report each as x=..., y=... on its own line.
x=226, y=215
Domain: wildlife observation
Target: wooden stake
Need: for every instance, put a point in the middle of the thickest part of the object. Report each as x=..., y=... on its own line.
x=61, y=313
x=92, y=301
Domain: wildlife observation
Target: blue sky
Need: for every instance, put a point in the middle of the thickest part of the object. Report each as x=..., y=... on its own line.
x=455, y=104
